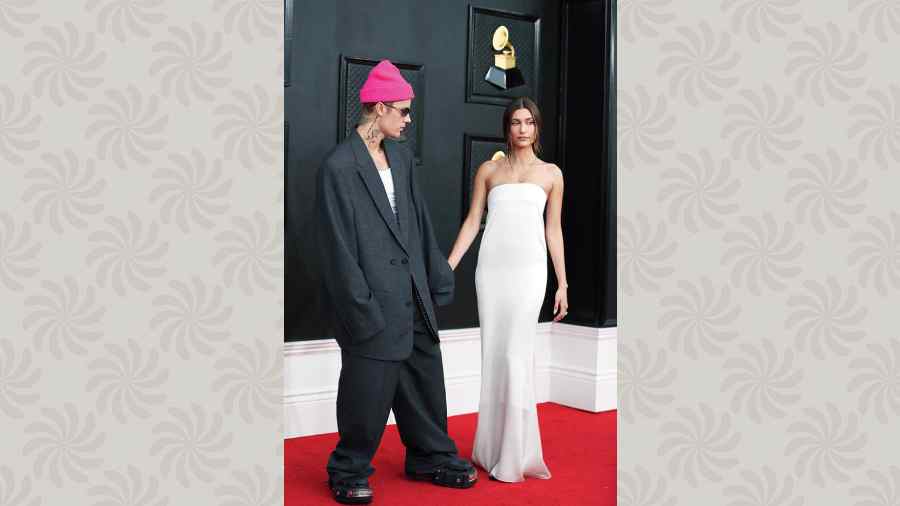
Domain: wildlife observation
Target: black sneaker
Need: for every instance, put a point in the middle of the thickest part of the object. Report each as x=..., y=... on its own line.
x=351, y=493
x=459, y=474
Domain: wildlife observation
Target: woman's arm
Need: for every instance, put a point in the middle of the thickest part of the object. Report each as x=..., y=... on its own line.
x=472, y=224
x=553, y=232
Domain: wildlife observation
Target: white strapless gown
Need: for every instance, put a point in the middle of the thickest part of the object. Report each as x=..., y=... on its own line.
x=510, y=281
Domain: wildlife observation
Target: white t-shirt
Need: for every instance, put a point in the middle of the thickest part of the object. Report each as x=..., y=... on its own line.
x=388, y=183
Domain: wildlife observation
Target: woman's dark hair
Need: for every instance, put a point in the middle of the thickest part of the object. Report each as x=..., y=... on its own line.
x=515, y=105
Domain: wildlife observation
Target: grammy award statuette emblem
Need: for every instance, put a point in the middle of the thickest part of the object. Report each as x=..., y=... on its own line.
x=503, y=73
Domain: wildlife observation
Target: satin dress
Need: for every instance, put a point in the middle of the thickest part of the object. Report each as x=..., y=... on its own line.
x=510, y=282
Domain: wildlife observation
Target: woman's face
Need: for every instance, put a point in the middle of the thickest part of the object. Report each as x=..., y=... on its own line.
x=393, y=121
x=522, y=129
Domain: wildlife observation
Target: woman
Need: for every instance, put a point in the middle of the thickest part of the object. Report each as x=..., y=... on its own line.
x=510, y=281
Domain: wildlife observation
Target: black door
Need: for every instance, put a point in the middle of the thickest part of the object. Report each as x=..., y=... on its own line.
x=441, y=47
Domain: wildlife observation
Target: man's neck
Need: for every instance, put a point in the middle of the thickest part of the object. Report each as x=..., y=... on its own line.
x=371, y=137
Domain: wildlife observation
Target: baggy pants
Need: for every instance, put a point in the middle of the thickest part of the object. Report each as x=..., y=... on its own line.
x=414, y=388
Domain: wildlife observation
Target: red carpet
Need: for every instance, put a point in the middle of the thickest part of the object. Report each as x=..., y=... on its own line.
x=579, y=448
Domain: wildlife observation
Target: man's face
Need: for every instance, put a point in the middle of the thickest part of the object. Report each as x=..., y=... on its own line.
x=393, y=121
x=522, y=129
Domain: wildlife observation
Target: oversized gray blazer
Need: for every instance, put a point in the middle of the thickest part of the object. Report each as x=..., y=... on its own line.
x=368, y=260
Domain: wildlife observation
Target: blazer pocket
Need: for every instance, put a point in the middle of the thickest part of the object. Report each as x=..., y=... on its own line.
x=362, y=331
x=390, y=304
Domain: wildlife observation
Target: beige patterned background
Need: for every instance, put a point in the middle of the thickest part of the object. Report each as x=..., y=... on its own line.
x=141, y=252
x=759, y=252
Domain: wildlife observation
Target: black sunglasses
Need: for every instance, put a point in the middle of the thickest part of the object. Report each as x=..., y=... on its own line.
x=403, y=112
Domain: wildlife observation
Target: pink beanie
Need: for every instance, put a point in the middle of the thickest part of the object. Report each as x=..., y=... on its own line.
x=385, y=84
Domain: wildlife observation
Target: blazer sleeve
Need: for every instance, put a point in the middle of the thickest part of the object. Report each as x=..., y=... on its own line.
x=343, y=279
x=440, y=277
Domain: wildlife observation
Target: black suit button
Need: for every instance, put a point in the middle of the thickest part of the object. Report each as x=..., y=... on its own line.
x=408, y=303
x=393, y=261
x=404, y=261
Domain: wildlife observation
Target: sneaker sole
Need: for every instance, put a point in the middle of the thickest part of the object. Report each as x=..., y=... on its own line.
x=429, y=478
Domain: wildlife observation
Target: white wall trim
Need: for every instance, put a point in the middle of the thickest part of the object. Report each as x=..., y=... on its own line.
x=574, y=366
x=308, y=347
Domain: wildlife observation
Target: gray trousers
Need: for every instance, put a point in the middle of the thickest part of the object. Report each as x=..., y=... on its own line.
x=414, y=388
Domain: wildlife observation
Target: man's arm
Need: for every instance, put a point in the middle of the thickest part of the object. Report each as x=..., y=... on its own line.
x=440, y=276
x=342, y=277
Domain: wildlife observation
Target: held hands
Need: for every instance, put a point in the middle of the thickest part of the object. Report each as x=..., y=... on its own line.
x=561, y=304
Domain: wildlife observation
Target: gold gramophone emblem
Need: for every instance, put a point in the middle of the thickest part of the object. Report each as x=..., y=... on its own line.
x=506, y=58
x=498, y=155
x=503, y=73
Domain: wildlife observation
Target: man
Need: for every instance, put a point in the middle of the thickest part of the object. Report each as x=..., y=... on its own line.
x=383, y=273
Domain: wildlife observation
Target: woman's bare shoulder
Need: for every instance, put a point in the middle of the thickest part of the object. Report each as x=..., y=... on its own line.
x=487, y=168
x=551, y=169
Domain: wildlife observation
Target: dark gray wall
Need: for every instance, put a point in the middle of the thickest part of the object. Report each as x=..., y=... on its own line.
x=588, y=156
x=435, y=36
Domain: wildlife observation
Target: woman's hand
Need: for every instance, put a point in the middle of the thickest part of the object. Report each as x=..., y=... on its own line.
x=561, y=304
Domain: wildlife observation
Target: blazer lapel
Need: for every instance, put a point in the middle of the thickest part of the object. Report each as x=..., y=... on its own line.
x=399, y=165
x=369, y=173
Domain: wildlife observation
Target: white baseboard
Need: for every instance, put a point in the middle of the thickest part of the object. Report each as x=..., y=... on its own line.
x=574, y=366
x=582, y=371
